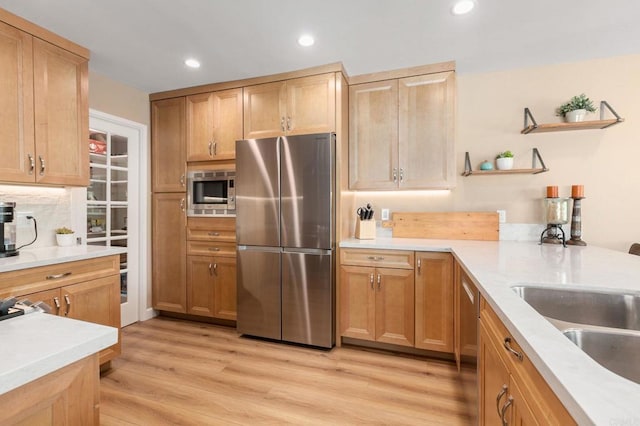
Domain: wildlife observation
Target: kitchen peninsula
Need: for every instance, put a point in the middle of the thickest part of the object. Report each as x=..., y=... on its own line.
x=589, y=392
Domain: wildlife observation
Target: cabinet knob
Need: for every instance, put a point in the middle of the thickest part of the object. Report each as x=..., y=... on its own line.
x=182, y=204
x=504, y=411
x=210, y=149
x=66, y=299
x=379, y=282
x=288, y=123
x=395, y=174
x=499, y=397
x=214, y=234
x=282, y=123
x=371, y=281
x=182, y=179
x=401, y=175
x=213, y=248
x=507, y=345
x=57, y=276
x=42, y=167
x=56, y=302
x=419, y=264
x=32, y=164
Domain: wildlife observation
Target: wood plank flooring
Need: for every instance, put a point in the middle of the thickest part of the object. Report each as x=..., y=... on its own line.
x=174, y=372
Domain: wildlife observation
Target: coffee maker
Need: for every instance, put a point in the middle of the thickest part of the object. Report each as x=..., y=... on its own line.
x=7, y=229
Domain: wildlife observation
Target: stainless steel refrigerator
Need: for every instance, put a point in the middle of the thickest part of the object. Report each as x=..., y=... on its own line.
x=285, y=230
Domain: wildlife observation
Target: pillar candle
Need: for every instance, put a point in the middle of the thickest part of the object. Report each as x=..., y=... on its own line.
x=577, y=191
x=552, y=192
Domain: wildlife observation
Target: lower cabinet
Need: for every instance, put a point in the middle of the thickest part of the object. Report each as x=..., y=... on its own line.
x=211, y=286
x=511, y=389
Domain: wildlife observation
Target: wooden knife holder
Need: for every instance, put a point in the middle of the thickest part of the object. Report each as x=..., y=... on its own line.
x=365, y=229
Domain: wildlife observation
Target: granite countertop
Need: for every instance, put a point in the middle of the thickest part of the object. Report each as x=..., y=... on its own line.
x=43, y=256
x=37, y=344
x=591, y=393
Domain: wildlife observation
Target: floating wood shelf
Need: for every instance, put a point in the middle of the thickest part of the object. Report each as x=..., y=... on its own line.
x=581, y=125
x=534, y=170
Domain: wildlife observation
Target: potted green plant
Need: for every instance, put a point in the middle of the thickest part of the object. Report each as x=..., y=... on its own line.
x=576, y=109
x=504, y=160
x=65, y=237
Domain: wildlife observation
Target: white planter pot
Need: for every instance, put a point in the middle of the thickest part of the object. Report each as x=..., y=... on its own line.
x=66, y=240
x=505, y=163
x=575, y=115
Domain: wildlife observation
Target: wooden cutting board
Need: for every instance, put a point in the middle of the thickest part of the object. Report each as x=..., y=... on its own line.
x=445, y=225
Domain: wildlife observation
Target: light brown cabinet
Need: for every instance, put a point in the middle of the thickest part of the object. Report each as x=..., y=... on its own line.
x=45, y=99
x=512, y=391
x=292, y=107
x=377, y=301
x=434, y=301
x=88, y=290
x=401, y=133
x=168, y=145
x=169, y=254
x=214, y=123
x=211, y=267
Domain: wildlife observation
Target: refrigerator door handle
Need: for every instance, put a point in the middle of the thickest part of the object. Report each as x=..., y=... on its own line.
x=306, y=251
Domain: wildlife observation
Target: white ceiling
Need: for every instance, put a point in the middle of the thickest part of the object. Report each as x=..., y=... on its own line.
x=143, y=43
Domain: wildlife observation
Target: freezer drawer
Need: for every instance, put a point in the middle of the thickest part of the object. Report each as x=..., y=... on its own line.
x=308, y=295
x=258, y=279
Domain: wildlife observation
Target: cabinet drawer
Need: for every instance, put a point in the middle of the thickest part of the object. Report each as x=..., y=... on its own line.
x=211, y=229
x=205, y=248
x=42, y=278
x=378, y=258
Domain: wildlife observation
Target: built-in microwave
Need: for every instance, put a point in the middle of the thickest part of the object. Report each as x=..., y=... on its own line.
x=211, y=193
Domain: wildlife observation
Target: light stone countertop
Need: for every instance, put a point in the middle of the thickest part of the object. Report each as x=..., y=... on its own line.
x=43, y=256
x=36, y=344
x=591, y=393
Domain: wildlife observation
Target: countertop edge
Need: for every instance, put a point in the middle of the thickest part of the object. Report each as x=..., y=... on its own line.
x=45, y=256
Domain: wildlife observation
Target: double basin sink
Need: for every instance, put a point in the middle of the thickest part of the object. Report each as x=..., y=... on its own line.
x=606, y=326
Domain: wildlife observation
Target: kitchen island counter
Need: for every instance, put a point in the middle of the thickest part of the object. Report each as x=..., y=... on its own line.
x=591, y=393
x=43, y=256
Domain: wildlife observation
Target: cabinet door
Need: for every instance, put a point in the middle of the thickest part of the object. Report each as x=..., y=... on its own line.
x=357, y=302
x=434, y=301
x=50, y=297
x=16, y=104
x=168, y=146
x=426, y=131
x=521, y=413
x=61, y=113
x=373, y=135
x=494, y=381
x=395, y=306
x=264, y=110
x=311, y=105
x=200, y=286
x=199, y=127
x=96, y=301
x=169, y=253
x=224, y=299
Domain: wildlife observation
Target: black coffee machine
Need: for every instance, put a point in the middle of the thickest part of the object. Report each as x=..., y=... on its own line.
x=7, y=229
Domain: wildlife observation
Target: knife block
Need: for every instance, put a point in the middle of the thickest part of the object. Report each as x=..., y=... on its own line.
x=365, y=229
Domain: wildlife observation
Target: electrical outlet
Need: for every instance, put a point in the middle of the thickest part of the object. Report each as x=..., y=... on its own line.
x=502, y=216
x=385, y=214
x=22, y=221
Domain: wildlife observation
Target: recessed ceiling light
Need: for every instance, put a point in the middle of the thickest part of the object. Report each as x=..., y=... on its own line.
x=306, y=40
x=192, y=63
x=463, y=6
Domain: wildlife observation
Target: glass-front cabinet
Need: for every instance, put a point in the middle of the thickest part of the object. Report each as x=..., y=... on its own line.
x=107, y=196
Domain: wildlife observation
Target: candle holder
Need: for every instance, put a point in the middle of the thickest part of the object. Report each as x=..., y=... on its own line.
x=576, y=223
x=556, y=214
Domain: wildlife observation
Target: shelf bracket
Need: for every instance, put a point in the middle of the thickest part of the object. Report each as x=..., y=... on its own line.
x=535, y=158
x=467, y=164
x=528, y=116
x=605, y=104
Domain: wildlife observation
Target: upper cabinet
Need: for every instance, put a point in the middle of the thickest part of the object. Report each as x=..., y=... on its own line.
x=45, y=123
x=214, y=123
x=401, y=133
x=168, y=147
x=292, y=107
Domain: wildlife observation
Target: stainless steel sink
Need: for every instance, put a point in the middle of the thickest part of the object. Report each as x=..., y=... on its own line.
x=618, y=352
x=606, y=326
x=616, y=310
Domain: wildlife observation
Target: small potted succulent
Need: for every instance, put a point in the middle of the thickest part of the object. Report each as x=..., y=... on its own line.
x=576, y=109
x=65, y=237
x=504, y=160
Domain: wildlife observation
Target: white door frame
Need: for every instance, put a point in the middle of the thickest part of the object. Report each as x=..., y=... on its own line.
x=142, y=239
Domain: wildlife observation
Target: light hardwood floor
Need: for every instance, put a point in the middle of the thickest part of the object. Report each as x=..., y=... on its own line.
x=174, y=372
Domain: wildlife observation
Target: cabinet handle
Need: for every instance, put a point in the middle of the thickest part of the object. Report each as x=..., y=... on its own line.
x=214, y=234
x=395, y=174
x=419, y=265
x=32, y=163
x=182, y=179
x=375, y=258
x=401, y=175
x=56, y=302
x=499, y=397
x=282, y=123
x=215, y=268
x=215, y=148
x=371, y=281
x=213, y=248
x=210, y=269
x=41, y=165
x=182, y=204
x=288, y=123
x=210, y=149
x=507, y=345
x=379, y=280
x=66, y=299
x=504, y=411
x=58, y=276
